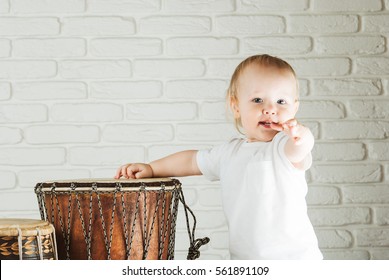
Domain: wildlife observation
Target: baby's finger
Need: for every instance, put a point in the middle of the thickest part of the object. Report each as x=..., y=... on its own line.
x=291, y=123
x=277, y=126
x=119, y=172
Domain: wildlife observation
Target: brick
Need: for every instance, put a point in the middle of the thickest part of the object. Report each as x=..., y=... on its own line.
x=18, y=201
x=53, y=6
x=107, y=172
x=5, y=48
x=340, y=216
x=321, y=110
x=166, y=68
x=347, y=6
x=66, y=47
x=355, y=130
x=322, y=24
x=127, y=47
x=10, y=135
x=314, y=127
x=277, y=44
x=22, y=113
x=193, y=6
x=32, y=156
x=378, y=150
x=339, y=151
x=5, y=91
x=346, y=255
x=93, y=112
x=365, y=194
x=128, y=133
x=249, y=24
x=323, y=195
x=8, y=180
x=210, y=197
x=259, y=6
x=330, y=239
x=29, y=26
x=160, y=151
x=372, y=237
x=349, y=45
x=328, y=66
x=126, y=90
x=196, y=89
x=347, y=87
x=381, y=216
x=370, y=109
x=175, y=25
x=222, y=67
x=214, y=132
x=210, y=219
x=377, y=254
x=4, y=7
x=124, y=6
x=200, y=46
x=29, y=178
x=98, y=26
x=49, y=90
x=378, y=23
x=215, y=111
x=50, y=134
x=102, y=156
x=372, y=66
x=95, y=69
x=386, y=173
x=303, y=87
x=355, y=173
x=161, y=111
x=27, y=69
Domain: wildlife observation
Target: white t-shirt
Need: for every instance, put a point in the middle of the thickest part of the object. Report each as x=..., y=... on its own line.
x=263, y=199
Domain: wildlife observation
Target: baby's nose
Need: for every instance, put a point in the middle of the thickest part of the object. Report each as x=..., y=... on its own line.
x=269, y=111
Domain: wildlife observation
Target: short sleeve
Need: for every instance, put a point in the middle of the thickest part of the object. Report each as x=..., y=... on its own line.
x=209, y=162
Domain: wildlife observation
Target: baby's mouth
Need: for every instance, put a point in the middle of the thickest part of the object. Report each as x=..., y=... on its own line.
x=266, y=124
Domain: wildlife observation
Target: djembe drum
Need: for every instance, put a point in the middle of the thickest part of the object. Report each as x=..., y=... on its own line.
x=27, y=239
x=114, y=219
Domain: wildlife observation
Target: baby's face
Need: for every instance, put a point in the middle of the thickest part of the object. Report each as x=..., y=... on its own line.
x=265, y=95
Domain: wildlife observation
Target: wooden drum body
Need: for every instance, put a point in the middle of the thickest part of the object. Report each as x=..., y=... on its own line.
x=112, y=219
x=27, y=239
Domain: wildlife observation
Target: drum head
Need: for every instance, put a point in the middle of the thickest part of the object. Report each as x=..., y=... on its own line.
x=109, y=184
x=28, y=227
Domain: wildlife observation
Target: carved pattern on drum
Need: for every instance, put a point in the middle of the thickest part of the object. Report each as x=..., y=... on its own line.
x=9, y=248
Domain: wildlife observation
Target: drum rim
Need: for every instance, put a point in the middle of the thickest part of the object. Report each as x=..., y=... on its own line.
x=111, y=180
x=28, y=227
x=109, y=185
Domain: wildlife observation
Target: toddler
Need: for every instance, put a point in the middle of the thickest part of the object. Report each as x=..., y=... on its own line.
x=263, y=173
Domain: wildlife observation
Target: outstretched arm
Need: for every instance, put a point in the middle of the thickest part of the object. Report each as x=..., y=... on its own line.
x=175, y=165
x=299, y=145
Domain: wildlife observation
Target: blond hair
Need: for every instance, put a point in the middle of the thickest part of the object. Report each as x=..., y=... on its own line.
x=260, y=60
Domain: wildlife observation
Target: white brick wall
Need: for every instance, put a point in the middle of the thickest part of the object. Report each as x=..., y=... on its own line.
x=86, y=85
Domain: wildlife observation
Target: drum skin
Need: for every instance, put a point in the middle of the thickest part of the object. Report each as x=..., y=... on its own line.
x=116, y=220
x=28, y=232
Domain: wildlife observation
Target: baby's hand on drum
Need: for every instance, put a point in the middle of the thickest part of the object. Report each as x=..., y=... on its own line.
x=134, y=171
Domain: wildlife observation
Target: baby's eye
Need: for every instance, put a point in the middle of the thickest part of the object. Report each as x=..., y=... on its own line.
x=257, y=100
x=281, y=101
